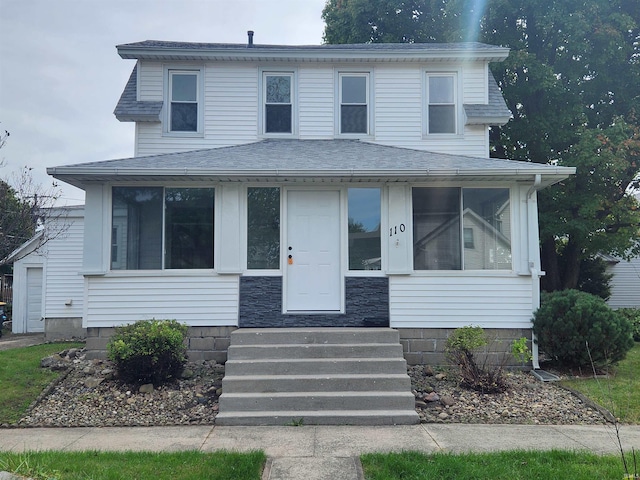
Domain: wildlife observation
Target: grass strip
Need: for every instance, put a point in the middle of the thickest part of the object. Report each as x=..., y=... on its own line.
x=618, y=393
x=22, y=379
x=509, y=465
x=94, y=465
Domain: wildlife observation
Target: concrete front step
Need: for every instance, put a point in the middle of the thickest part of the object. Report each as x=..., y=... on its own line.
x=308, y=401
x=320, y=366
x=315, y=383
x=315, y=417
x=300, y=336
x=294, y=351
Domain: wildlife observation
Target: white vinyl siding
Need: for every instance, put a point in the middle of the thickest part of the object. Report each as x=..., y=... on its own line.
x=197, y=300
x=63, y=281
x=316, y=102
x=150, y=81
x=475, y=83
x=625, y=284
x=456, y=300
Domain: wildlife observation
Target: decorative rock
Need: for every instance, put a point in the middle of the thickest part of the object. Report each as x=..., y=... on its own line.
x=146, y=388
x=420, y=404
x=431, y=397
x=447, y=400
x=93, y=382
x=443, y=415
x=428, y=371
x=53, y=362
x=440, y=376
x=89, y=370
x=187, y=374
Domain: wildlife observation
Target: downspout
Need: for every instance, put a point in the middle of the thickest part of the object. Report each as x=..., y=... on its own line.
x=534, y=256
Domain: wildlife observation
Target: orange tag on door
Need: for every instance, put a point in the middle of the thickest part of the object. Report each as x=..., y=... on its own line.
x=290, y=261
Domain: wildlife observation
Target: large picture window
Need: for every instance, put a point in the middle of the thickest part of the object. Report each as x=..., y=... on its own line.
x=354, y=91
x=278, y=103
x=183, y=102
x=140, y=231
x=263, y=228
x=364, y=228
x=461, y=228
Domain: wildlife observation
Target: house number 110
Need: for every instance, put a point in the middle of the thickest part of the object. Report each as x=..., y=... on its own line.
x=394, y=230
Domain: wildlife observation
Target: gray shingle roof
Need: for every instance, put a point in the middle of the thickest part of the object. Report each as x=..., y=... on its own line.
x=157, y=49
x=314, y=160
x=129, y=109
x=494, y=113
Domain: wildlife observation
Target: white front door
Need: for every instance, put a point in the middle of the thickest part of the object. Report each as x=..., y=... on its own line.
x=313, y=251
x=34, y=300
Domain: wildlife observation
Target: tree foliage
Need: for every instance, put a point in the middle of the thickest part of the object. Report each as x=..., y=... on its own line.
x=571, y=82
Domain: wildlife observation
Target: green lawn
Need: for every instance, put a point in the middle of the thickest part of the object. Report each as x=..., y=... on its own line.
x=135, y=465
x=513, y=465
x=619, y=392
x=22, y=379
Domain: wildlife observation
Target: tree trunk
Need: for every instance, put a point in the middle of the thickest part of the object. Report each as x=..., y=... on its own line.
x=549, y=257
x=571, y=257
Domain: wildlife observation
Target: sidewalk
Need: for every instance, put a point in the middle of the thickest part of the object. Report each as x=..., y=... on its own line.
x=324, y=452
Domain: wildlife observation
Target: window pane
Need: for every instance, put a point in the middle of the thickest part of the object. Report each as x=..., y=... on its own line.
x=278, y=119
x=278, y=89
x=364, y=229
x=354, y=89
x=442, y=119
x=184, y=87
x=189, y=227
x=487, y=213
x=136, y=216
x=184, y=117
x=263, y=228
x=353, y=119
x=440, y=90
x=436, y=229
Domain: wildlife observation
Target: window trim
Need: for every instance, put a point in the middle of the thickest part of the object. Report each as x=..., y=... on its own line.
x=262, y=96
x=338, y=102
x=169, y=72
x=457, y=101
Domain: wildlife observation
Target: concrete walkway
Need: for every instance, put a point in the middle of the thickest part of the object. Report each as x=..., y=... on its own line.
x=323, y=452
x=22, y=340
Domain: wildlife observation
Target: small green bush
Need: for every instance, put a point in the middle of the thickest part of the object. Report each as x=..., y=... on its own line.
x=576, y=328
x=461, y=347
x=633, y=316
x=151, y=351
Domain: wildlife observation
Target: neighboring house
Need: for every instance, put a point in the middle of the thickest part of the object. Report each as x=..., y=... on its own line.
x=48, y=289
x=625, y=283
x=333, y=185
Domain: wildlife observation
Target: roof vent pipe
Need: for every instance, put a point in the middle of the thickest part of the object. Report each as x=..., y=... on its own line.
x=250, y=35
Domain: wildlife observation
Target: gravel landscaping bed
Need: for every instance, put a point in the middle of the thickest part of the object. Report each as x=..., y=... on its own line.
x=89, y=394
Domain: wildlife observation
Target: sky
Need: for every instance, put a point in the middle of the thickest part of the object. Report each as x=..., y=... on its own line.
x=61, y=77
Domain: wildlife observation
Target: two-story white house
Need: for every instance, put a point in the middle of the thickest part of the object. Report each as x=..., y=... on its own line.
x=312, y=186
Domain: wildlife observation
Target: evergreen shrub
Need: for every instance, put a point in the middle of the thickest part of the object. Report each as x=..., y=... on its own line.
x=633, y=315
x=150, y=351
x=577, y=329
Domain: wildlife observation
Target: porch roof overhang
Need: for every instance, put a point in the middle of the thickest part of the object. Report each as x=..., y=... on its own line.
x=309, y=161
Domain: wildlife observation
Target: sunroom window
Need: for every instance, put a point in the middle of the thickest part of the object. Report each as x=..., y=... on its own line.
x=263, y=228
x=364, y=229
x=466, y=228
x=184, y=233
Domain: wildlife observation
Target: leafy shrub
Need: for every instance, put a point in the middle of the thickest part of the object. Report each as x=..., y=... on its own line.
x=576, y=328
x=151, y=351
x=633, y=316
x=461, y=347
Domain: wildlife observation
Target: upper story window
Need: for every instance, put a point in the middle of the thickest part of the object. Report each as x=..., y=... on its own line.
x=354, y=109
x=184, y=101
x=278, y=102
x=441, y=103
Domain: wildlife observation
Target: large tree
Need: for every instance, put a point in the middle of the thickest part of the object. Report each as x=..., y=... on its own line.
x=571, y=81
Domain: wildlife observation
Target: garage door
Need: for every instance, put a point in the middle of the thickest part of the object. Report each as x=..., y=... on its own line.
x=34, y=300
